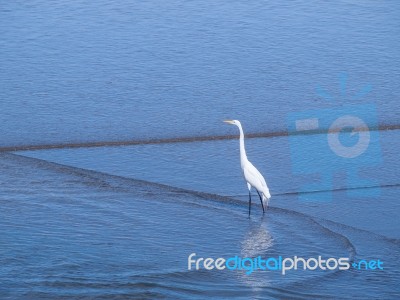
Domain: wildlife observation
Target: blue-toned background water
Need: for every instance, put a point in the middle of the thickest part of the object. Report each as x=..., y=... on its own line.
x=119, y=222
x=79, y=71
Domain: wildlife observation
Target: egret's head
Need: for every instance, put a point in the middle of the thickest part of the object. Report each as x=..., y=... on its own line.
x=233, y=122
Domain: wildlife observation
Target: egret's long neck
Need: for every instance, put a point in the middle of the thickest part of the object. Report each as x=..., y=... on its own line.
x=243, y=156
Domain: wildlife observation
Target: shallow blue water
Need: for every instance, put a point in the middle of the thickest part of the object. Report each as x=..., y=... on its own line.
x=82, y=71
x=214, y=167
x=70, y=232
x=120, y=222
x=359, y=228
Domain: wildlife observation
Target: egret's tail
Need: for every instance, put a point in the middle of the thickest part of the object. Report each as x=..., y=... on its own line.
x=266, y=196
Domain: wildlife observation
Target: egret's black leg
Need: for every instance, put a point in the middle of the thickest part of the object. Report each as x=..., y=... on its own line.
x=249, y=203
x=262, y=204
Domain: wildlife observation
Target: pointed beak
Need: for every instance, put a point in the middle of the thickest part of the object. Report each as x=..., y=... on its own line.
x=228, y=121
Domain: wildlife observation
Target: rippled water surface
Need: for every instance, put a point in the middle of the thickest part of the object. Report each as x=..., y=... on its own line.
x=107, y=70
x=71, y=232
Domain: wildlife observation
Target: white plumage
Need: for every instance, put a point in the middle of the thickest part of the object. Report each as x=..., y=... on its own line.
x=252, y=176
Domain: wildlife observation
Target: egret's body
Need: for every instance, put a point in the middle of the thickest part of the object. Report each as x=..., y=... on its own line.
x=252, y=176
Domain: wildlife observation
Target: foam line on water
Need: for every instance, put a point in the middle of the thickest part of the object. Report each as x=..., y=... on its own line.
x=327, y=190
x=173, y=140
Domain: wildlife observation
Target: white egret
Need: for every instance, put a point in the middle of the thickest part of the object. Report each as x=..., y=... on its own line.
x=252, y=176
